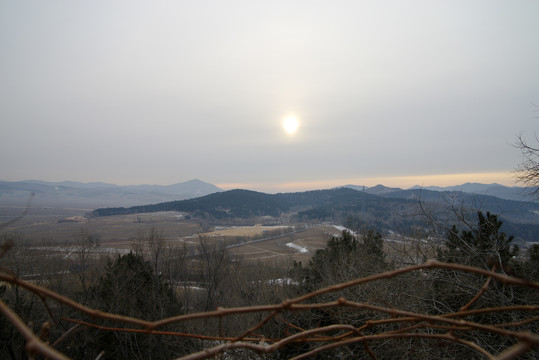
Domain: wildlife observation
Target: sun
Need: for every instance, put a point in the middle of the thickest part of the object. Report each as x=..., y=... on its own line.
x=290, y=125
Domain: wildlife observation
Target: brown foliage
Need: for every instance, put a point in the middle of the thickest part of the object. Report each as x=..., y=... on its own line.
x=390, y=324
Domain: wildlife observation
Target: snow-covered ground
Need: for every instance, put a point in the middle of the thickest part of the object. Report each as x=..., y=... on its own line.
x=285, y=281
x=298, y=248
x=342, y=228
x=71, y=250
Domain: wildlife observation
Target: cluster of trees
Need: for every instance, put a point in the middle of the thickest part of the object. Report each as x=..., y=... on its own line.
x=348, y=257
x=155, y=280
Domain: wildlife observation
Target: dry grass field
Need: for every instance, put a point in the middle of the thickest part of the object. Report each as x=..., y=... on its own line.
x=299, y=245
x=283, y=244
x=247, y=231
x=57, y=226
x=53, y=226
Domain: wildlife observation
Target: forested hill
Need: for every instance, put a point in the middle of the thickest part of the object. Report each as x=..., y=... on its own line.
x=246, y=203
x=397, y=210
x=321, y=204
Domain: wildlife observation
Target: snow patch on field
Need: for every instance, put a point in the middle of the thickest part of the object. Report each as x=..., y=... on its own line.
x=71, y=250
x=298, y=248
x=285, y=281
x=342, y=228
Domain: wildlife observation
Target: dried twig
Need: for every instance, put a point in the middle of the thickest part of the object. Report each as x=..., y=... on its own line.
x=443, y=327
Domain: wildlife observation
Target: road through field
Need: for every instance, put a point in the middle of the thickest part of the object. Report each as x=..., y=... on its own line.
x=269, y=237
x=309, y=239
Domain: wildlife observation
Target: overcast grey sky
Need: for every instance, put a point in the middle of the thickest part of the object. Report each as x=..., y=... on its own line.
x=159, y=92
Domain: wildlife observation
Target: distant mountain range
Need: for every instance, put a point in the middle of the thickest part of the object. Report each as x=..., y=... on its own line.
x=379, y=206
x=497, y=190
x=97, y=194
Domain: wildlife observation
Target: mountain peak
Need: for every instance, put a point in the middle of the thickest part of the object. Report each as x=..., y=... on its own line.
x=381, y=189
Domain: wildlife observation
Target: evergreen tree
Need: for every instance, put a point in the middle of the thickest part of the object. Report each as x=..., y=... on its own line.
x=484, y=245
x=130, y=287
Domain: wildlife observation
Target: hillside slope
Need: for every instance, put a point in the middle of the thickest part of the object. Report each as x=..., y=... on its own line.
x=396, y=210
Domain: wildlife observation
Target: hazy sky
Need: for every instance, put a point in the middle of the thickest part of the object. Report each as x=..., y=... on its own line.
x=160, y=92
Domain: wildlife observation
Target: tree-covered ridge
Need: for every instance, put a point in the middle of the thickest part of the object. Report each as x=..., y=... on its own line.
x=396, y=211
x=245, y=203
x=311, y=204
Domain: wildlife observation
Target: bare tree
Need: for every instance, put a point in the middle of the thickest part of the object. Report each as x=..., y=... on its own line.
x=156, y=246
x=215, y=267
x=80, y=257
x=174, y=268
x=527, y=172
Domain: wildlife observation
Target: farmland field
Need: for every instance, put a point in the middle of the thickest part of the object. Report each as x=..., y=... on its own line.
x=53, y=227
x=306, y=242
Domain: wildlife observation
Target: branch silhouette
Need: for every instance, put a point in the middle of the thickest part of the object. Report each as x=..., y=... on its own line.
x=448, y=327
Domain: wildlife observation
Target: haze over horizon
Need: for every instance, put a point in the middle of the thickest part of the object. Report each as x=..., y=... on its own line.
x=273, y=97
x=403, y=183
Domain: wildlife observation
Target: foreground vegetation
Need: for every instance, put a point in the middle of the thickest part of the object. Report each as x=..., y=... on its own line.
x=435, y=310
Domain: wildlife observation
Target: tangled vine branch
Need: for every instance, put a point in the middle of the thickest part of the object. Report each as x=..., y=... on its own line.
x=448, y=327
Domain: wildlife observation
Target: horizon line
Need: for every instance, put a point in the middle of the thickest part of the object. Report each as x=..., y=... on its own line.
x=396, y=181
x=403, y=182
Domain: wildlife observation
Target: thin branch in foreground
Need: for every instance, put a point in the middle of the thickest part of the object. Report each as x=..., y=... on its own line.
x=34, y=345
x=446, y=327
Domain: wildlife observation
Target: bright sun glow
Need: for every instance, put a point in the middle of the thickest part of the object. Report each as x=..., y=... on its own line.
x=290, y=124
